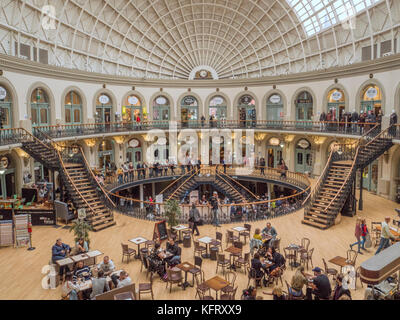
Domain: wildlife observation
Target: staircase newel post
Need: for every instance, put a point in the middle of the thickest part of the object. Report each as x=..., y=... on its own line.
x=360, y=200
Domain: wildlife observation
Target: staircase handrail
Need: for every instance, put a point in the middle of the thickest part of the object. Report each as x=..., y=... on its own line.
x=378, y=136
x=35, y=138
x=229, y=184
x=366, y=134
x=190, y=177
x=72, y=182
x=175, y=181
x=94, y=177
x=238, y=183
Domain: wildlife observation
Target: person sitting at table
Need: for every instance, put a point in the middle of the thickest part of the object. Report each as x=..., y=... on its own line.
x=106, y=266
x=257, y=266
x=69, y=290
x=269, y=230
x=81, y=272
x=99, y=285
x=173, y=249
x=60, y=251
x=278, y=294
x=277, y=260
x=81, y=246
x=299, y=280
x=121, y=281
x=339, y=290
x=249, y=294
x=156, y=259
x=320, y=287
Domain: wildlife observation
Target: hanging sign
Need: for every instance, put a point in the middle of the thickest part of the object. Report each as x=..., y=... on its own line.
x=134, y=143
x=3, y=93
x=133, y=100
x=246, y=100
x=81, y=213
x=161, y=100
x=189, y=100
x=337, y=95
x=372, y=92
x=275, y=98
x=104, y=99
x=162, y=141
x=303, y=143
x=217, y=101
x=274, y=142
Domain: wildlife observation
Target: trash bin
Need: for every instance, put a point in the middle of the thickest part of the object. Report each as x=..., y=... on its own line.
x=213, y=253
x=187, y=241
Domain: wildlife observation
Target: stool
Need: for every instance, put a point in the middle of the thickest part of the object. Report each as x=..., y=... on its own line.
x=187, y=241
x=144, y=251
x=213, y=253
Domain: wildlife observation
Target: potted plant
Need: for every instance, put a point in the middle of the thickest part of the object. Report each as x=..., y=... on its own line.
x=81, y=230
x=172, y=212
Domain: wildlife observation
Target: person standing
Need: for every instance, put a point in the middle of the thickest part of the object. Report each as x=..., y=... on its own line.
x=393, y=122
x=262, y=166
x=364, y=232
x=386, y=235
x=194, y=218
x=214, y=202
x=357, y=234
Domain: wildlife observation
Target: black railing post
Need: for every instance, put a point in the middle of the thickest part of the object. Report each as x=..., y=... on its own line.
x=360, y=200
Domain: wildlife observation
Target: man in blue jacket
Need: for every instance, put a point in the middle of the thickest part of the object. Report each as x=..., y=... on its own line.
x=60, y=251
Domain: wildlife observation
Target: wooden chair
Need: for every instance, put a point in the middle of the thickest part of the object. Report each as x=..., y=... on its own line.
x=174, y=277
x=305, y=243
x=276, y=244
x=291, y=296
x=243, y=262
x=127, y=252
x=230, y=237
x=198, y=248
x=124, y=296
x=229, y=296
x=202, y=296
x=222, y=262
x=218, y=240
x=239, y=245
x=144, y=263
x=149, y=244
x=230, y=276
x=200, y=285
x=197, y=263
x=307, y=256
x=375, y=233
x=358, y=276
x=252, y=275
x=145, y=288
x=329, y=271
x=352, y=257
x=290, y=256
x=245, y=234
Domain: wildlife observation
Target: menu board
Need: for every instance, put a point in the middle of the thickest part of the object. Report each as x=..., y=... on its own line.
x=39, y=217
x=5, y=214
x=160, y=231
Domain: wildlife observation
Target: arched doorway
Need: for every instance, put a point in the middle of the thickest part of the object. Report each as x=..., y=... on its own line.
x=274, y=109
x=103, y=109
x=217, y=111
x=304, y=109
x=7, y=176
x=73, y=108
x=105, y=153
x=5, y=108
x=304, y=157
x=336, y=102
x=161, y=150
x=247, y=111
x=274, y=152
x=370, y=177
x=40, y=108
x=134, y=152
x=161, y=111
x=189, y=111
x=371, y=99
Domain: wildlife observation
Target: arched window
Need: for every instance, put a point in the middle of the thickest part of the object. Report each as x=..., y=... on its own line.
x=247, y=111
x=371, y=99
x=40, y=108
x=304, y=108
x=217, y=110
x=5, y=108
x=103, y=108
x=189, y=111
x=336, y=103
x=73, y=108
x=161, y=109
x=132, y=109
x=274, y=107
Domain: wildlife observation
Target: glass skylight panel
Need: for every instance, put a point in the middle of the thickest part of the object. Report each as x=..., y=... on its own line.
x=317, y=15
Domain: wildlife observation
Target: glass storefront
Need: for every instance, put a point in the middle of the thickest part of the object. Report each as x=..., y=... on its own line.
x=40, y=108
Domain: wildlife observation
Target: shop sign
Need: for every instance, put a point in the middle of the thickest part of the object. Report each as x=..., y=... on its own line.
x=161, y=100
x=3, y=93
x=104, y=99
x=133, y=100
x=372, y=92
x=337, y=95
x=303, y=143
x=134, y=143
x=275, y=98
x=189, y=101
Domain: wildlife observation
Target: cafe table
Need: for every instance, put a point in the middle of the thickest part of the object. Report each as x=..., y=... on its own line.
x=138, y=241
x=185, y=267
x=180, y=228
x=233, y=251
x=339, y=261
x=216, y=283
x=207, y=241
x=239, y=230
x=294, y=249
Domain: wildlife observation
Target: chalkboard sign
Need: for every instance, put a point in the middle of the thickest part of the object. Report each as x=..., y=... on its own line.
x=160, y=231
x=30, y=194
x=39, y=217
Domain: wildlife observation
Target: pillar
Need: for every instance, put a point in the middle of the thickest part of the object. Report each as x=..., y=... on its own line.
x=360, y=200
x=141, y=196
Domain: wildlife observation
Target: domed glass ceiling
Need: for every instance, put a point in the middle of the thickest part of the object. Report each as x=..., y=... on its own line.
x=174, y=39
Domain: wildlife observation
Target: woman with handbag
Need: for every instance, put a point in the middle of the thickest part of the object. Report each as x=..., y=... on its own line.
x=364, y=234
x=357, y=234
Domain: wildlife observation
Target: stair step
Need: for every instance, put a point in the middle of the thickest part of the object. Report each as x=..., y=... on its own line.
x=315, y=224
x=103, y=226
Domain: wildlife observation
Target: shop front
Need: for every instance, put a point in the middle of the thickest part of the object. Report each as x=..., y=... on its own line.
x=247, y=112
x=303, y=157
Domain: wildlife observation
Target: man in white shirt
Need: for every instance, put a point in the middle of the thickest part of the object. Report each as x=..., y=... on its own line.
x=107, y=266
x=124, y=279
x=386, y=235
